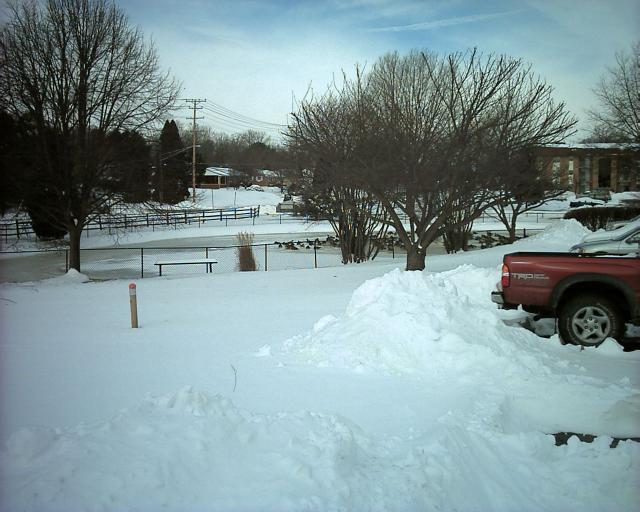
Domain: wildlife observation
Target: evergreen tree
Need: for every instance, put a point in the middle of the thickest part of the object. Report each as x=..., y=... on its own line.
x=131, y=164
x=172, y=181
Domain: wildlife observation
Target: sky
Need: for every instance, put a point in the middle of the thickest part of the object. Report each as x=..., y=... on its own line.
x=257, y=57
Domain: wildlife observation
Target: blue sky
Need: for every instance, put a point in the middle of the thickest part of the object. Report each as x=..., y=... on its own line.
x=252, y=56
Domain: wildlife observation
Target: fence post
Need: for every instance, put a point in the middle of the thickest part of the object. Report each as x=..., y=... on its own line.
x=315, y=255
x=393, y=250
x=66, y=261
x=17, y=229
x=133, y=304
x=142, y=262
x=265, y=257
x=524, y=232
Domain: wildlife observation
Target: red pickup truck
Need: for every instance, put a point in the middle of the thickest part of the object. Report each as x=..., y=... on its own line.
x=593, y=297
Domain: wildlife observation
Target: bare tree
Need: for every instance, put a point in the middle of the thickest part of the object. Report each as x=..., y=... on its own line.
x=525, y=188
x=325, y=138
x=428, y=136
x=78, y=71
x=618, y=94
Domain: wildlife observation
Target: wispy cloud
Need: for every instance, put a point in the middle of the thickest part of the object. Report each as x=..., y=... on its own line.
x=446, y=22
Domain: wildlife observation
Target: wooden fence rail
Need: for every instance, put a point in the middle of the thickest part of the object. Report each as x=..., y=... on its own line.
x=21, y=228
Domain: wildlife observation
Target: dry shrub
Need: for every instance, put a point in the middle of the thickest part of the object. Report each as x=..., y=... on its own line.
x=244, y=251
x=598, y=217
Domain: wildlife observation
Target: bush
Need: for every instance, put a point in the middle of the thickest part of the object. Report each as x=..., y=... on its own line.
x=42, y=221
x=598, y=217
x=244, y=251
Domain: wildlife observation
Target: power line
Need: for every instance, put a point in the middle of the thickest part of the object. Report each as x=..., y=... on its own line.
x=234, y=124
x=241, y=121
x=226, y=111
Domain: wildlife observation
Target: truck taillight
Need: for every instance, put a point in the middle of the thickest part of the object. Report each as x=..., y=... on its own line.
x=506, y=276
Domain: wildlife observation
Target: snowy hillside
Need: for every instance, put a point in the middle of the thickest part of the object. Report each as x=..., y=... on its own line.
x=362, y=387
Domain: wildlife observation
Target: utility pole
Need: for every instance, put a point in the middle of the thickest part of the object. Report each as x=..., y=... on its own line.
x=195, y=107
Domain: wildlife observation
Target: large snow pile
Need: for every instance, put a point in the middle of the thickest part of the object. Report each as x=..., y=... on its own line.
x=443, y=327
x=405, y=322
x=559, y=236
x=195, y=451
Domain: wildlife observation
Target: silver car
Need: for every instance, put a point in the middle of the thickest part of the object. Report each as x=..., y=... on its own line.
x=624, y=240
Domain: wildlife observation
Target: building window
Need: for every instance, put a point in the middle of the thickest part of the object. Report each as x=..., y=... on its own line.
x=570, y=165
x=604, y=172
x=585, y=174
x=555, y=171
x=624, y=174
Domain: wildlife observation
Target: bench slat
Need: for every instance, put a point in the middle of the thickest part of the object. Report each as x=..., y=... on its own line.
x=185, y=262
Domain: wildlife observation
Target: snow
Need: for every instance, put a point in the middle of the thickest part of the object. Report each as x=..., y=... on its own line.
x=267, y=198
x=360, y=387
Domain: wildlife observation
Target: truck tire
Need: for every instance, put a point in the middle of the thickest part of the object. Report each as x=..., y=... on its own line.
x=589, y=319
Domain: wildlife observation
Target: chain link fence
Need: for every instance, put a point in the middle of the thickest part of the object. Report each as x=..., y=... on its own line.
x=143, y=262
x=136, y=263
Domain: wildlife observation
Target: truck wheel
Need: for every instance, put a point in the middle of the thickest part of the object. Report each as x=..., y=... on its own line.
x=590, y=319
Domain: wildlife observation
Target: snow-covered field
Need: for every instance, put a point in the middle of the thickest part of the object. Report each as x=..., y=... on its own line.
x=360, y=387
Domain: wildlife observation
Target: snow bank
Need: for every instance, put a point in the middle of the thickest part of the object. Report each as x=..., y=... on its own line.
x=558, y=236
x=195, y=451
x=406, y=322
x=443, y=329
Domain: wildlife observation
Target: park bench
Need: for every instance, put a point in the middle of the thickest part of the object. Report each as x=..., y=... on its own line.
x=200, y=261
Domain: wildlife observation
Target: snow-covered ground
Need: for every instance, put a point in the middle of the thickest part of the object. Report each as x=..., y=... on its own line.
x=360, y=387
x=267, y=197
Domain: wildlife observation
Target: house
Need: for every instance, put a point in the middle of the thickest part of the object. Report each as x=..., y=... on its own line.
x=220, y=177
x=582, y=168
x=267, y=178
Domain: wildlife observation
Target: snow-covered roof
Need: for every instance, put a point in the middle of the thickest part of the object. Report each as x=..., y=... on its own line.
x=597, y=145
x=218, y=171
x=268, y=173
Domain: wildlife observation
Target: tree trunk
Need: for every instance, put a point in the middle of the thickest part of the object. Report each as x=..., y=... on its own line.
x=74, y=247
x=415, y=258
x=512, y=228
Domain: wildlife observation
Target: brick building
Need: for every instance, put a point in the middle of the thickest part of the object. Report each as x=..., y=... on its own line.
x=585, y=167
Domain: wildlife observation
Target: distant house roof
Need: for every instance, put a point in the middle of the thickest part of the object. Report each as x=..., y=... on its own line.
x=268, y=173
x=597, y=145
x=219, y=171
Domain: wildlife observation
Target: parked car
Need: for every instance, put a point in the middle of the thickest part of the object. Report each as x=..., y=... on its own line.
x=623, y=240
x=593, y=297
x=621, y=223
x=603, y=194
